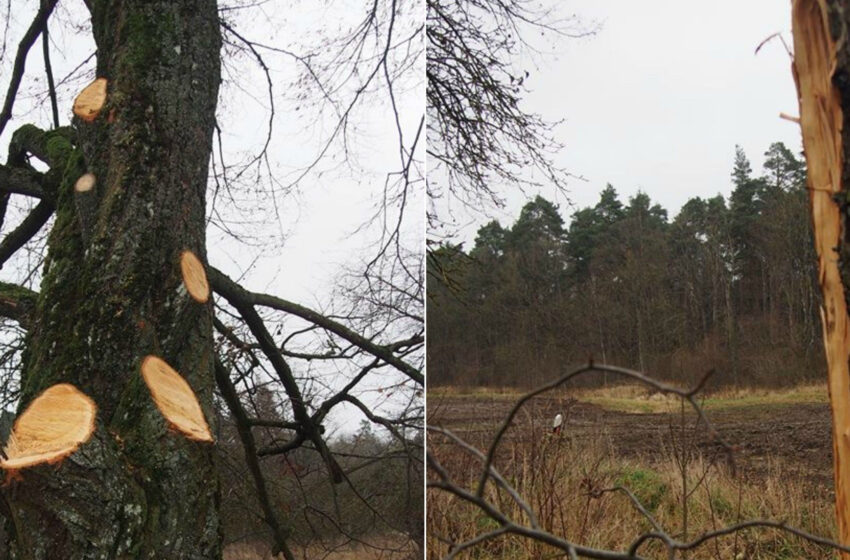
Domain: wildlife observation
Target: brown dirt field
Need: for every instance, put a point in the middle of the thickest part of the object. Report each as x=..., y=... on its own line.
x=793, y=439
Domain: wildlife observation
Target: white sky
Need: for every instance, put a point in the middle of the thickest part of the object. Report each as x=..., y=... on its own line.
x=658, y=98
x=316, y=230
x=655, y=101
x=299, y=253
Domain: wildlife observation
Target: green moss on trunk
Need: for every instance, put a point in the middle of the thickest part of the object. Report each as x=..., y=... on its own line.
x=136, y=490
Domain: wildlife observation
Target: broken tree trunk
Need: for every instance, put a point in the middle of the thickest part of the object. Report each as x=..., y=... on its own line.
x=822, y=73
x=138, y=488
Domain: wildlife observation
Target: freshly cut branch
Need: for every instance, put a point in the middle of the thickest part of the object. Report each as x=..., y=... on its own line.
x=52, y=427
x=821, y=118
x=175, y=399
x=194, y=277
x=91, y=100
x=85, y=200
x=85, y=183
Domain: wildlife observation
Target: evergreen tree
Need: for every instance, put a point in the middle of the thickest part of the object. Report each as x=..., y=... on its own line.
x=725, y=283
x=784, y=171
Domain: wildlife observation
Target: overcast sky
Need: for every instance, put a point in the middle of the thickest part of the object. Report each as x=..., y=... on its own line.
x=655, y=101
x=314, y=230
x=658, y=98
x=304, y=237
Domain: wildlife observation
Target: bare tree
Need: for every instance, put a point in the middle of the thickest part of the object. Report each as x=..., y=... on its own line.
x=479, y=134
x=111, y=291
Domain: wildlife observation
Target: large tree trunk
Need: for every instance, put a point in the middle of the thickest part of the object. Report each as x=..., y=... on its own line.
x=822, y=73
x=114, y=295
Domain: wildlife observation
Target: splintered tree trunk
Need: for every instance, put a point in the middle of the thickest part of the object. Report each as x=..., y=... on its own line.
x=112, y=294
x=822, y=73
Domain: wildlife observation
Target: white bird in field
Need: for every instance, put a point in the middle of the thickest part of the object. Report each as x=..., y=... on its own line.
x=556, y=424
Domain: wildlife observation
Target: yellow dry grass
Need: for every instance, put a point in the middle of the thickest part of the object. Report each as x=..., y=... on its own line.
x=90, y=101
x=474, y=392
x=636, y=398
x=194, y=277
x=52, y=427
x=380, y=547
x=556, y=481
x=175, y=399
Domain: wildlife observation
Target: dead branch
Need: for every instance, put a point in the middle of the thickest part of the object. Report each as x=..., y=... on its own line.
x=444, y=481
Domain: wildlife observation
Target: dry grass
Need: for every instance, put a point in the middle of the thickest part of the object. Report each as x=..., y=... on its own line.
x=474, y=392
x=636, y=398
x=381, y=547
x=558, y=481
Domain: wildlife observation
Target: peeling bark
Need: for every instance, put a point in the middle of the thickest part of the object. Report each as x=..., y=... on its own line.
x=136, y=489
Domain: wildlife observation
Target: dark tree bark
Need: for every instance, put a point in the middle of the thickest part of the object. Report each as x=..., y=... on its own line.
x=114, y=294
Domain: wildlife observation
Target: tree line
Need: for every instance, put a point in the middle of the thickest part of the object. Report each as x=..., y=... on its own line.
x=727, y=284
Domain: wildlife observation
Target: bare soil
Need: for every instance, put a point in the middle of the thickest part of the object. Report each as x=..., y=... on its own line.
x=794, y=439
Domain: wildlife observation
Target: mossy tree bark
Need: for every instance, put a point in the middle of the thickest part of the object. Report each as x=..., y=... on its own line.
x=114, y=294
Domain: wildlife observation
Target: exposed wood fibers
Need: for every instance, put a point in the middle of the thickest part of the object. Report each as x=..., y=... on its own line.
x=821, y=124
x=52, y=427
x=90, y=101
x=85, y=183
x=175, y=399
x=194, y=277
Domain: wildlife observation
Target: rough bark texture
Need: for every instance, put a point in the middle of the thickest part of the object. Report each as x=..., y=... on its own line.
x=822, y=74
x=136, y=490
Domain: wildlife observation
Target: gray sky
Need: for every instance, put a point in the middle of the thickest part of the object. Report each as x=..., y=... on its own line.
x=658, y=98
x=316, y=229
x=304, y=236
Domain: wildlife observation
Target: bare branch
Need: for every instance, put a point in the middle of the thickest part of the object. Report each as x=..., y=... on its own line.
x=242, y=301
x=26, y=230
x=51, y=87
x=17, y=302
x=21, y=58
x=243, y=427
x=234, y=293
x=16, y=180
